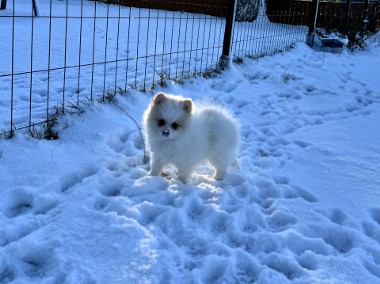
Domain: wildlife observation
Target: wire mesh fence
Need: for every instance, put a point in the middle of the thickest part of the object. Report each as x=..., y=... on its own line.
x=264, y=36
x=78, y=50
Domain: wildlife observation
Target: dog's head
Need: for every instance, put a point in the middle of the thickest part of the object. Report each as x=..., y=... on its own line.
x=168, y=115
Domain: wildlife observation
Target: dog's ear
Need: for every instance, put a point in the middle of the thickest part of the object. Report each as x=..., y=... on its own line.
x=158, y=98
x=187, y=105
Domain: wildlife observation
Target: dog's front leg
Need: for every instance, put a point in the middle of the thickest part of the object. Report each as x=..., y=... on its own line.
x=184, y=172
x=156, y=166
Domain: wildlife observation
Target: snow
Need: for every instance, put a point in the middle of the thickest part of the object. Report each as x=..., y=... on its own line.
x=303, y=207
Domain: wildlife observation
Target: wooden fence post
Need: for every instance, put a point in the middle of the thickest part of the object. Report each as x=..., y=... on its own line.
x=312, y=23
x=224, y=60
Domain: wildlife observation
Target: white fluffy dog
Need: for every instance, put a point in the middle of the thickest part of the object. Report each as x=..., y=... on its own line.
x=183, y=136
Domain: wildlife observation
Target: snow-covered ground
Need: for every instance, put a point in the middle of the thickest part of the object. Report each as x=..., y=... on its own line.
x=304, y=206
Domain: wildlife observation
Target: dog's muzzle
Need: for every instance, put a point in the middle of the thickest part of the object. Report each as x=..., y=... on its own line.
x=166, y=133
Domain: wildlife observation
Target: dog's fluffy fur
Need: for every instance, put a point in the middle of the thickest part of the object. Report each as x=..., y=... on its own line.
x=178, y=134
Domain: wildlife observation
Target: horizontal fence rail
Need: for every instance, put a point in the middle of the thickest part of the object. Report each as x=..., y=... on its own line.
x=79, y=50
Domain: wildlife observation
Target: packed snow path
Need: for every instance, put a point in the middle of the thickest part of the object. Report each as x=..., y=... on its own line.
x=302, y=208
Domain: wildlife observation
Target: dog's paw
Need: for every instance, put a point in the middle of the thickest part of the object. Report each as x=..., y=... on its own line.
x=170, y=172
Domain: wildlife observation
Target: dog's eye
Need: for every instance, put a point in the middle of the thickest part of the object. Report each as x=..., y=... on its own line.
x=161, y=122
x=175, y=125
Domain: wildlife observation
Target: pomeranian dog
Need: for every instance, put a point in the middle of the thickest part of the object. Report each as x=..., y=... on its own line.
x=180, y=135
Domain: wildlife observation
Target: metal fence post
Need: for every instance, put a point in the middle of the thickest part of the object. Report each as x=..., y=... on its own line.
x=3, y=5
x=365, y=15
x=36, y=7
x=312, y=23
x=224, y=60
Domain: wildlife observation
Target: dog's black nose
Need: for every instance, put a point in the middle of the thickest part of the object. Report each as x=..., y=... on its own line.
x=165, y=133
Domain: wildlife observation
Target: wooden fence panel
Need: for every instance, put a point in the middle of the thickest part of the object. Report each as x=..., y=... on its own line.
x=291, y=12
x=208, y=7
x=331, y=15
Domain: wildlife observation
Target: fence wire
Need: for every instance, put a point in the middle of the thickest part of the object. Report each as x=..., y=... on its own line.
x=265, y=37
x=77, y=50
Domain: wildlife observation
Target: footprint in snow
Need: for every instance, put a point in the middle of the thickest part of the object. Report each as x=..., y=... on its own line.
x=341, y=239
x=247, y=270
x=111, y=205
x=300, y=244
x=221, y=222
x=280, y=180
x=268, y=189
x=375, y=214
x=252, y=220
x=345, y=77
x=196, y=210
x=294, y=191
x=280, y=221
x=307, y=260
x=256, y=77
x=237, y=102
x=227, y=86
x=288, y=267
x=18, y=230
x=214, y=270
x=20, y=202
x=371, y=230
x=288, y=96
x=7, y=273
x=337, y=216
x=310, y=88
x=118, y=144
x=126, y=143
x=36, y=262
x=302, y=144
x=111, y=190
x=59, y=90
x=267, y=206
x=101, y=203
x=288, y=77
x=76, y=177
x=78, y=90
x=267, y=131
